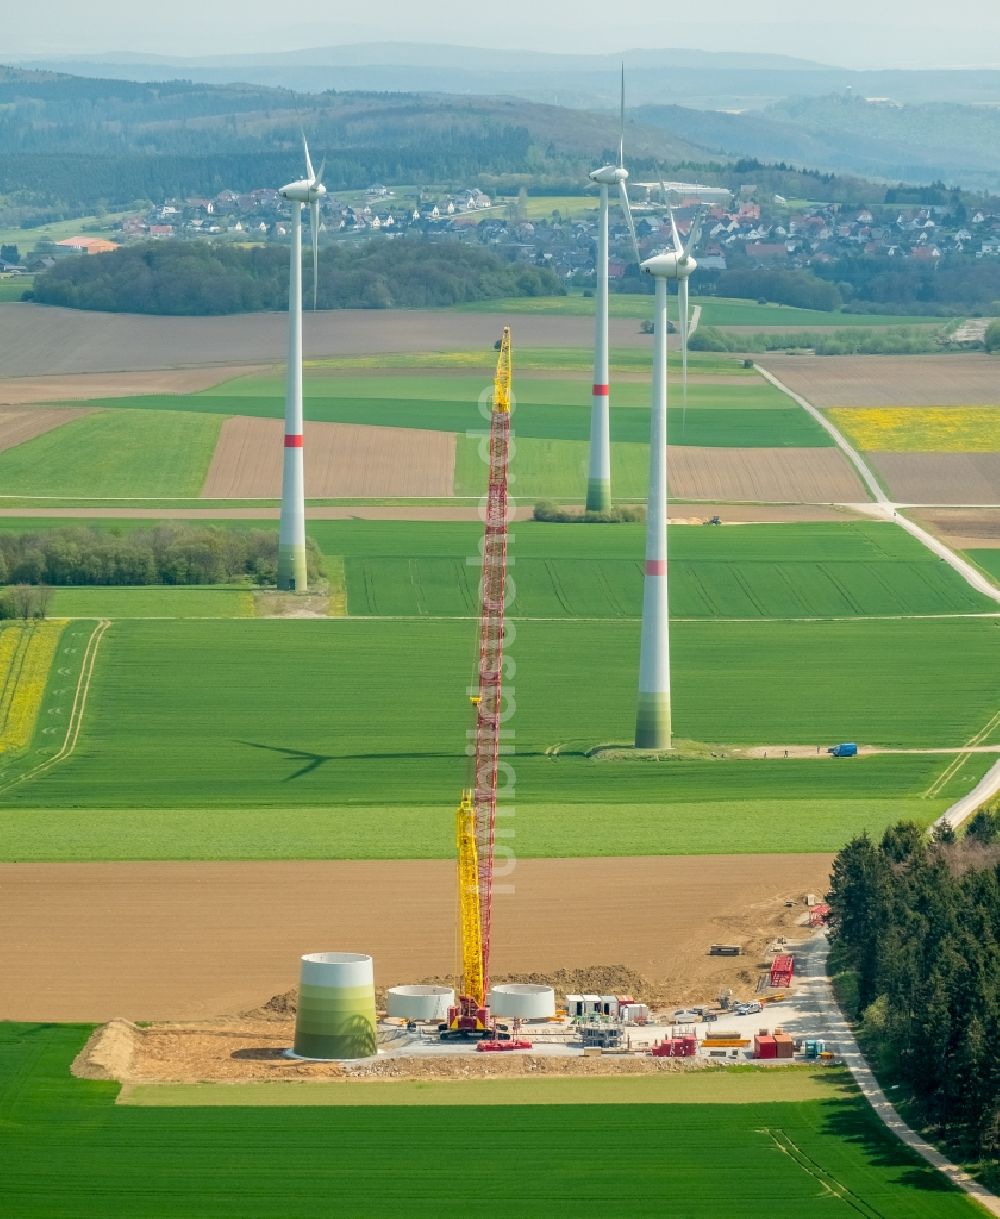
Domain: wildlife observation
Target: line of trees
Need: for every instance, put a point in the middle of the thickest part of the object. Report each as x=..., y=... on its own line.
x=854, y=340
x=198, y=277
x=178, y=553
x=918, y=921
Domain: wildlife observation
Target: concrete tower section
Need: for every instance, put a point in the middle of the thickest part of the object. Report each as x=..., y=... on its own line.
x=292, y=573
x=599, y=467
x=652, y=724
x=599, y=472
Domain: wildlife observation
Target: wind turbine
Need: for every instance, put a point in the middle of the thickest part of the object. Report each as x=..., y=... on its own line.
x=292, y=575
x=599, y=473
x=683, y=300
x=652, y=725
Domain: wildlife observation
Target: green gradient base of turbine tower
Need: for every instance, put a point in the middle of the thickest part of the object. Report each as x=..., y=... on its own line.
x=599, y=495
x=652, y=721
x=335, y=1022
x=292, y=569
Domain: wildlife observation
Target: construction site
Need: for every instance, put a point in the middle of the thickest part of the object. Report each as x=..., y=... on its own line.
x=337, y=1025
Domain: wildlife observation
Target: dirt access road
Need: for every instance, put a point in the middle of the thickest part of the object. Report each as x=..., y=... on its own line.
x=38, y=339
x=184, y=941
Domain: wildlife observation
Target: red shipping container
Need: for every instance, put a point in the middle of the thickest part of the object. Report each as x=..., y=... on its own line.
x=764, y=1046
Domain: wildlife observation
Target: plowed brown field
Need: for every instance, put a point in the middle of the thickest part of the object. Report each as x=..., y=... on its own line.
x=940, y=478
x=962, y=528
x=180, y=941
x=784, y=475
x=341, y=459
x=17, y=426
x=37, y=339
x=968, y=379
x=18, y=391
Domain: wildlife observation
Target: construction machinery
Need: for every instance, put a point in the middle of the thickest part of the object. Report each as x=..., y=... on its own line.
x=476, y=817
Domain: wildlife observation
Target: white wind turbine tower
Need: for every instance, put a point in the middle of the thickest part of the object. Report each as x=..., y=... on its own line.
x=599, y=471
x=292, y=527
x=652, y=725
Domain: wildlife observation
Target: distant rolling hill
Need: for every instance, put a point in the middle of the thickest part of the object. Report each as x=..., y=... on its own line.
x=916, y=143
x=704, y=79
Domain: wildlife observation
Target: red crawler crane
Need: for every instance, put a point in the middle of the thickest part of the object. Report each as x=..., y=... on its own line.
x=477, y=812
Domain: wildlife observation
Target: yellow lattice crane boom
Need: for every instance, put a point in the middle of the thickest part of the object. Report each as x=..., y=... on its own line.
x=476, y=825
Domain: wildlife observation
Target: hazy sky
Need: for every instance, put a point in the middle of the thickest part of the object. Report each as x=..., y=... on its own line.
x=868, y=33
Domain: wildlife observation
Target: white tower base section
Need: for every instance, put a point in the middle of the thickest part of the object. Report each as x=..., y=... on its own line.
x=523, y=1001
x=599, y=472
x=652, y=725
x=292, y=574
x=419, y=1002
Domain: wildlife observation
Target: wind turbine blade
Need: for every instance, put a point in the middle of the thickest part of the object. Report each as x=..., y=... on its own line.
x=309, y=165
x=314, y=232
x=676, y=237
x=683, y=316
x=694, y=234
x=623, y=192
x=621, y=126
x=319, y=175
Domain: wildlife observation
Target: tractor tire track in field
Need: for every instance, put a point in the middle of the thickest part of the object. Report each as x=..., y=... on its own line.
x=971, y=746
x=830, y=1185
x=76, y=711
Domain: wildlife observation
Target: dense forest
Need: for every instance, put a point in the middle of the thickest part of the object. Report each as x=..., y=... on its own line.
x=69, y=144
x=917, y=924
x=957, y=284
x=167, y=554
x=207, y=278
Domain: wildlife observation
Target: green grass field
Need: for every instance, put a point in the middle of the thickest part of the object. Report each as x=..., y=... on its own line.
x=58, y=230
x=11, y=288
x=988, y=560
x=531, y=359
x=151, y=601
x=358, y=715
x=72, y=1153
x=731, y=1086
x=595, y=571
x=716, y=311
x=121, y=452
x=747, y=413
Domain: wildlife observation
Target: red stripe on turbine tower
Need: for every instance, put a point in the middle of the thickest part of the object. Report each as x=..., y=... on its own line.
x=601, y=391
x=293, y=442
x=656, y=567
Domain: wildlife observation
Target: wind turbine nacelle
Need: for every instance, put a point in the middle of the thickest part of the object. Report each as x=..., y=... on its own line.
x=668, y=266
x=609, y=175
x=303, y=191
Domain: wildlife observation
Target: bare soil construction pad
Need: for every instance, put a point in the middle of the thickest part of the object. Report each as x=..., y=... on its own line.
x=17, y=426
x=19, y=391
x=784, y=475
x=969, y=379
x=940, y=478
x=341, y=460
x=962, y=528
x=186, y=941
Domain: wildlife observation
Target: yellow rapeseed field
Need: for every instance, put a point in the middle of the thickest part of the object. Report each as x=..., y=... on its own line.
x=921, y=429
x=26, y=654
